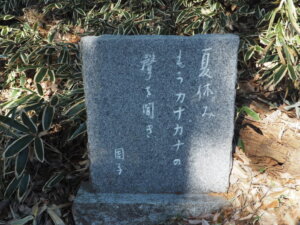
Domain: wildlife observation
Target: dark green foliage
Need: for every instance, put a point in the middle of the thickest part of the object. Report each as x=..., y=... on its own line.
x=54, y=180
x=23, y=186
x=18, y=145
x=12, y=123
x=28, y=122
x=47, y=118
x=12, y=187
x=39, y=149
x=21, y=161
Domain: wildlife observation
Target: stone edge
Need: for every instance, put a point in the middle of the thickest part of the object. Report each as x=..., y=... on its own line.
x=110, y=208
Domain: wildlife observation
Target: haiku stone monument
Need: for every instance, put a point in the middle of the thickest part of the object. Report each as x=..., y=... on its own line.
x=160, y=119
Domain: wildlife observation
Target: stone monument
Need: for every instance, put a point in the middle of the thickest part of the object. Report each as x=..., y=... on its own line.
x=160, y=118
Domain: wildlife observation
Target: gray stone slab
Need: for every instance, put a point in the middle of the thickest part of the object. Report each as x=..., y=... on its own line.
x=93, y=208
x=160, y=112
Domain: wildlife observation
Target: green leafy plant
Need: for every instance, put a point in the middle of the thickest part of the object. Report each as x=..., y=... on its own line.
x=249, y=112
x=281, y=52
x=26, y=140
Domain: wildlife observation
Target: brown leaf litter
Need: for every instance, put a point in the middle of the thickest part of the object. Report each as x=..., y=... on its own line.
x=257, y=197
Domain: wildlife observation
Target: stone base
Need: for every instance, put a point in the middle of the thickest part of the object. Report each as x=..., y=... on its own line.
x=92, y=208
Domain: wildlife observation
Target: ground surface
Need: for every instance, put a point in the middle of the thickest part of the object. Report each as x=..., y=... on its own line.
x=266, y=197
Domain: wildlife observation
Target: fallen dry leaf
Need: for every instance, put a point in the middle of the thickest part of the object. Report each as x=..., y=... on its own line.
x=269, y=205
